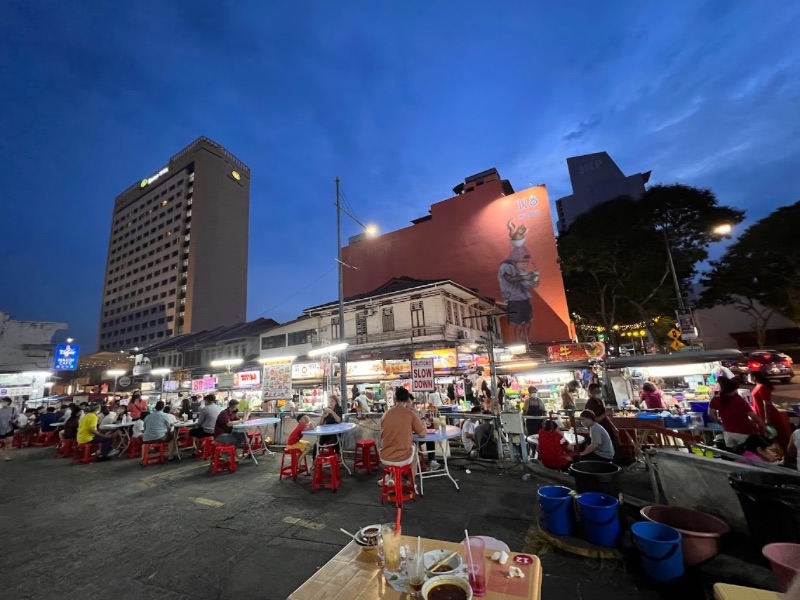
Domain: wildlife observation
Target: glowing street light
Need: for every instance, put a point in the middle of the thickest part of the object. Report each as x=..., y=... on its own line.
x=116, y=374
x=723, y=229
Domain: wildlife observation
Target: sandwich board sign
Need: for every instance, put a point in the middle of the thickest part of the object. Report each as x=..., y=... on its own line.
x=422, y=379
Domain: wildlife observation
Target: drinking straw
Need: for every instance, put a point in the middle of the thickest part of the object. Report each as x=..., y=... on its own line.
x=397, y=521
x=419, y=556
x=469, y=552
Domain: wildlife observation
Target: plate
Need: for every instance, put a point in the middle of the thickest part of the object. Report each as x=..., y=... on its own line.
x=433, y=556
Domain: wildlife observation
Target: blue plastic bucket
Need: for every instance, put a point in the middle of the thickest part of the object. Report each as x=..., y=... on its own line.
x=556, y=504
x=599, y=512
x=660, y=547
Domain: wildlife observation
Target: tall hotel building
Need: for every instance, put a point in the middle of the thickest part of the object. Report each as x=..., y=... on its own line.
x=177, y=253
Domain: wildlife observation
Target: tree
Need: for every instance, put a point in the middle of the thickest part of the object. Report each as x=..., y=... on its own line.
x=614, y=257
x=759, y=274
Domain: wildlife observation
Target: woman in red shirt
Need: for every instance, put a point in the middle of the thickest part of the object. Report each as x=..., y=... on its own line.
x=554, y=451
x=136, y=406
x=735, y=415
x=762, y=399
x=651, y=396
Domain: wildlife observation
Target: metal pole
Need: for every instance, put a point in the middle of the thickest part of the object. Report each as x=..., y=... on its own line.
x=672, y=269
x=343, y=354
x=490, y=348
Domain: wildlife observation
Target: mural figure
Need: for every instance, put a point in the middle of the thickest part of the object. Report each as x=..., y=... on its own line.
x=517, y=279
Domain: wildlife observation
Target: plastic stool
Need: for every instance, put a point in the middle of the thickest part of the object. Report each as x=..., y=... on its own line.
x=293, y=469
x=366, y=456
x=44, y=438
x=21, y=440
x=65, y=448
x=256, y=444
x=185, y=440
x=330, y=480
x=152, y=459
x=85, y=453
x=206, y=449
x=399, y=492
x=135, y=447
x=219, y=463
x=327, y=450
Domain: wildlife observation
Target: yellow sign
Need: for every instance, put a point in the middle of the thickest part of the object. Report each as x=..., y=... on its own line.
x=674, y=334
x=236, y=175
x=677, y=345
x=144, y=183
x=442, y=359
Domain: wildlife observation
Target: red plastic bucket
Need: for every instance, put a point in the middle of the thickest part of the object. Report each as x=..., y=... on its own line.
x=701, y=533
x=785, y=561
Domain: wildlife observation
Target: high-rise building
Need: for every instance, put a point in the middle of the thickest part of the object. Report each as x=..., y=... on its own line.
x=595, y=179
x=177, y=252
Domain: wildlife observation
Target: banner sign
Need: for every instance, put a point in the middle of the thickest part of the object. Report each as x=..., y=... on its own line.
x=206, y=384
x=66, y=358
x=306, y=371
x=277, y=381
x=576, y=352
x=247, y=379
x=422, y=379
x=442, y=359
x=225, y=381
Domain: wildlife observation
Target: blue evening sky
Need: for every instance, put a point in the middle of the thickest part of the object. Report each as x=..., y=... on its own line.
x=401, y=99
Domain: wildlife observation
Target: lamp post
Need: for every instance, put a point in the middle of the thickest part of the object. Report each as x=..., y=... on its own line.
x=163, y=373
x=370, y=231
x=116, y=374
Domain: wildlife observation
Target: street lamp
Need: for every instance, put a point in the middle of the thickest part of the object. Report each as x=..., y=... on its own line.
x=227, y=363
x=70, y=340
x=370, y=231
x=116, y=374
x=163, y=372
x=330, y=351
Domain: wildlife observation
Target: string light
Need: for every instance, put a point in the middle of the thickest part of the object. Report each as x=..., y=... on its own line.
x=630, y=329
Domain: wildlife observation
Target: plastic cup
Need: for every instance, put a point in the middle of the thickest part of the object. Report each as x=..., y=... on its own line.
x=415, y=566
x=475, y=558
x=389, y=547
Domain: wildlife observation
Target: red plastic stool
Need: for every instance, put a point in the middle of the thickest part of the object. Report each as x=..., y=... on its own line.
x=151, y=459
x=65, y=448
x=85, y=453
x=22, y=440
x=327, y=450
x=366, y=456
x=43, y=438
x=219, y=463
x=293, y=469
x=135, y=447
x=399, y=491
x=256, y=443
x=206, y=449
x=185, y=440
x=323, y=479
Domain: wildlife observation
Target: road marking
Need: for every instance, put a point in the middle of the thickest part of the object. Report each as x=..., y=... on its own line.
x=207, y=502
x=303, y=523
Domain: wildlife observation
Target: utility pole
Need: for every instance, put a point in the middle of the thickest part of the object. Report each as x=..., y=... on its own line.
x=343, y=354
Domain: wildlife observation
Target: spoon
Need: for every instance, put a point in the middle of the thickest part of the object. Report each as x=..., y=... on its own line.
x=350, y=534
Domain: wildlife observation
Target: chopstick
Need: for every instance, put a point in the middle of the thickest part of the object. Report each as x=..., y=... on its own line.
x=440, y=562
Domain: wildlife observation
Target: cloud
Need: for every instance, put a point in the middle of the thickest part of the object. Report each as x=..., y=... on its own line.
x=584, y=127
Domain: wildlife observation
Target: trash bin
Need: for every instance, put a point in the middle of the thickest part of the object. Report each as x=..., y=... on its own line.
x=596, y=476
x=771, y=505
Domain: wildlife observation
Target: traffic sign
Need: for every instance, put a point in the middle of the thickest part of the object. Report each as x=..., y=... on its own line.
x=677, y=345
x=674, y=334
x=422, y=379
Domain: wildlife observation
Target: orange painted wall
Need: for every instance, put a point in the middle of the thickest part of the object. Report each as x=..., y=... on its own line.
x=466, y=240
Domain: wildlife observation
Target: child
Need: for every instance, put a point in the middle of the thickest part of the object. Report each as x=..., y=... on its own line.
x=600, y=446
x=295, y=441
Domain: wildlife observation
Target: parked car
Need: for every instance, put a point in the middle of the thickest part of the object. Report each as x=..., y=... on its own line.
x=773, y=364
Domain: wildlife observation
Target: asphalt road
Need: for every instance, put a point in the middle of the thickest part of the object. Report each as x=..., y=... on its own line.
x=787, y=392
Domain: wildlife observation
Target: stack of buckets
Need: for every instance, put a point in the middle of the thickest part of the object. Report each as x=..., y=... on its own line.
x=659, y=545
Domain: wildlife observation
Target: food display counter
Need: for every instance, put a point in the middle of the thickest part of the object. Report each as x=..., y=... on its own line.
x=548, y=378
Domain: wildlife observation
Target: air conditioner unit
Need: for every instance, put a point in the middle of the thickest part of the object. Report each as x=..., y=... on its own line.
x=368, y=312
x=463, y=334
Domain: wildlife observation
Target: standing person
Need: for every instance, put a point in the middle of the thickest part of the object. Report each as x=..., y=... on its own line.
x=651, y=397
x=451, y=393
x=88, y=433
x=355, y=392
x=136, y=406
x=469, y=392
x=733, y=412
x=159, y=427
x=764, y=408
x=533, y=407
x=398, y=425
x=600, y=446
x=435, y=397
x=362, y=403
x=8, y=418
x=568, y=396
x=486, y=394
x=501, y=392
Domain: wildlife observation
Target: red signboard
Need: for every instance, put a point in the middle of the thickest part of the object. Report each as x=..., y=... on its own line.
x=571, y=352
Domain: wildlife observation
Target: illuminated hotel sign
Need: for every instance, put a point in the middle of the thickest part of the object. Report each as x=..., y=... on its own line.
x=146, y=182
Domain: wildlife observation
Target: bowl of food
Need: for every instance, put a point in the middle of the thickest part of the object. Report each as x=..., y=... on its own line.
x=446, y=587
x=441, y=562
x=367, y=537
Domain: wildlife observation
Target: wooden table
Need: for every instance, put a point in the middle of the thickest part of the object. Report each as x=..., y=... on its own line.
x=356, y=575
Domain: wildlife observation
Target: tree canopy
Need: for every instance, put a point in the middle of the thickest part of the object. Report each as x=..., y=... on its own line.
x=760, y=272
x=614, y=257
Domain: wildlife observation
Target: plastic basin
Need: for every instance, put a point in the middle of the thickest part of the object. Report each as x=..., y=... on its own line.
x=785, y=562
x=701, y=533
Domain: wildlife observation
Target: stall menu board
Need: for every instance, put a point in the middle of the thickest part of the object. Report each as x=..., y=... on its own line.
x=170, y=385
x=225, y=381
x=571, y=352
x=247, y=379
x=307, y=371
x=397, y=366
x=470, y=361
x=443, y=359
x=365, y=368
x=277, y=381
x=205, y=384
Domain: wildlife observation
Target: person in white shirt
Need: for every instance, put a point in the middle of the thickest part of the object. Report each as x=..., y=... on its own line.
x=137, y=430
x=207, y=418
x=363, y=402
x=436, y=398
x=793, y=448
x=468, y=431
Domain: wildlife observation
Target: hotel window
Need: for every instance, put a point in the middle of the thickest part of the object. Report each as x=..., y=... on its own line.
x=361, y=328
x=417, y=318
x=387, y=318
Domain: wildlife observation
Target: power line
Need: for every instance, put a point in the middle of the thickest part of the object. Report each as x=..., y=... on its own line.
x=302, y=289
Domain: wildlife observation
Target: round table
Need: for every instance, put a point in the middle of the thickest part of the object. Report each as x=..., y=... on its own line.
x=124, y=434
x=260, y=424
x=181, y=425
x=337, y=429
x=439, y=436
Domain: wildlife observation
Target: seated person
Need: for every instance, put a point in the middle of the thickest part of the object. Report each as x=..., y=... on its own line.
x=89, y=434
x=331, y=415
x=554, y=451
x=398, y=425
x=70, y=429
x=600, y=446
x=485, y=440
x=207, y=419
x=468, y=430
x=759, y=448
x=137, y=430
x=295, y=440
x=223, y=429
x=47, y=419
x=159, y=427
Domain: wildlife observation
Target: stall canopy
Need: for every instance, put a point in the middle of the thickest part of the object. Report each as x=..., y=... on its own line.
x=676, y=358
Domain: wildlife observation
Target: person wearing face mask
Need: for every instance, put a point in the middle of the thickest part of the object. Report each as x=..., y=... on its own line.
x=597, y=406
x=600, y=446
x=533, y=407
